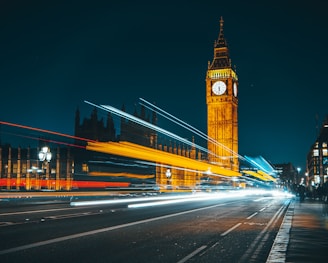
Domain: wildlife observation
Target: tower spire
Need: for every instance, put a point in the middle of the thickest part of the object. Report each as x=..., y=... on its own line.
x=221, y=42
x=221, y=58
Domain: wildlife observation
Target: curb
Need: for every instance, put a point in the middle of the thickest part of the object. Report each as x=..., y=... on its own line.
x=280, y=244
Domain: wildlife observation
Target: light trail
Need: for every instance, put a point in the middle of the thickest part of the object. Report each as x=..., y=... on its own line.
x=132, y=150
x=49, y=141
x=161, y=200
x=45, y=131
x=127, y=200
x=173, y=199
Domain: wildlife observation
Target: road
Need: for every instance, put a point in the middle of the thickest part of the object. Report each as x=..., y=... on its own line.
x=185, y=228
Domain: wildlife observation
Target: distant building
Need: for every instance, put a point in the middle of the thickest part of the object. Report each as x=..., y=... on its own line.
x=288, y=176
x=137, y=133
x=97, y=129
x=94, y=129
x=317, y=157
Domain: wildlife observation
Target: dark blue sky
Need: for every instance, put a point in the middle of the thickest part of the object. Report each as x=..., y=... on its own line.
x=56, y=54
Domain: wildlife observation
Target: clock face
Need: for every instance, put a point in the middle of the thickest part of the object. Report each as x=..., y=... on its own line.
x=235, y=89
x=219, y=87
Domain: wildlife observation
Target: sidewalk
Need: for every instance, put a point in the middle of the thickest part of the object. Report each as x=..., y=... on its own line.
x=308, y=240
x=303, y=236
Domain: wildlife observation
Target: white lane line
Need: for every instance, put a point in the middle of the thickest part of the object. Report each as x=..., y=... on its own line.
x=97, y=231
x=262, y=209
x=229, y=230
x=192, y=254
x=252, y=215
x=251, y=248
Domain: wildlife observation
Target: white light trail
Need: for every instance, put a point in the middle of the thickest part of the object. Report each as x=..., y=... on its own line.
x=146, y=124
x=173, y=199
x=189, y=199
x=126, y=200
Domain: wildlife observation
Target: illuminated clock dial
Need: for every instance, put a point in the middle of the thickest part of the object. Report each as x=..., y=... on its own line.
x=235, y=89
x=219, y=87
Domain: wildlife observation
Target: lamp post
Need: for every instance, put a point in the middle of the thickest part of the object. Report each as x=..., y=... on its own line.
x=45, y=157
x=168, y=176
x=298, y=174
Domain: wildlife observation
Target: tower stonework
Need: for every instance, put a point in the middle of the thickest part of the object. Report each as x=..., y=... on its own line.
x=222, y=107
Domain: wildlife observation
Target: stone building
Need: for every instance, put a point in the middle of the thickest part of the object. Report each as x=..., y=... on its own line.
x=21, y=168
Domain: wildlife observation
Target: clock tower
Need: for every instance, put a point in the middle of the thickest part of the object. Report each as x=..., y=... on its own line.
x=222, y=107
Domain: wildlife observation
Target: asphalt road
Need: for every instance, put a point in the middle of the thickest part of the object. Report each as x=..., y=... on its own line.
x=209, y=229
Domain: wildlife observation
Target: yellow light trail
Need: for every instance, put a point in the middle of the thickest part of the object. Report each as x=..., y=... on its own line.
x=267, y=176
x=261, y=175
x=135, y=151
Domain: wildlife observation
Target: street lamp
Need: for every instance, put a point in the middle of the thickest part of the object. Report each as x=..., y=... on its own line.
x=45, y=157
x=45, y=154
x=168, y=174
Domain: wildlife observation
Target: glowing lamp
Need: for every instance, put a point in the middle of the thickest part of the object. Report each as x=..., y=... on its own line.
x=45, y=154
x=168, y=173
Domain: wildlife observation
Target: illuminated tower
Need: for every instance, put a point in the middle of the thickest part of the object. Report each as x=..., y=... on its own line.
x=222, y=107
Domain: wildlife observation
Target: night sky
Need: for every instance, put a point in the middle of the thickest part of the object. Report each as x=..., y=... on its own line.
x=56, y=54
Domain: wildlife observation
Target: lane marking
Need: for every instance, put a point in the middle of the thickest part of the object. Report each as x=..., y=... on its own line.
x=192, y=254
x=255, y=224
x=273, y=220
x=229, y=230
x=250, y=251
x=98, y=231
x=252, y=215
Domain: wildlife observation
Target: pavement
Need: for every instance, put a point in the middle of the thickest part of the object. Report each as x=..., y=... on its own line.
x=303, y=235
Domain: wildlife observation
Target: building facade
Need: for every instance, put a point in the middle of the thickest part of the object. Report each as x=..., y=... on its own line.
x=317, y=158
x=222, y=107
x=21, y=169
x=289, y=177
